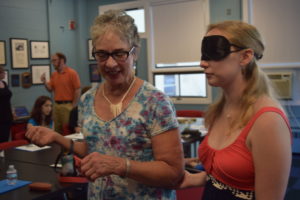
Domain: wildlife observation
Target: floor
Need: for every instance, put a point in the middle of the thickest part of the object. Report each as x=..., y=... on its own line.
x=293, y=191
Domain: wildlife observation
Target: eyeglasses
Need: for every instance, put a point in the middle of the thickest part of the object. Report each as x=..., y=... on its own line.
x=217, y=47
x=119, y=56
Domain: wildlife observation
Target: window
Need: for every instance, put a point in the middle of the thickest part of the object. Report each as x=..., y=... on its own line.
x=173, y=30
x=138, y=14
x=135, y=9
x=178, y=28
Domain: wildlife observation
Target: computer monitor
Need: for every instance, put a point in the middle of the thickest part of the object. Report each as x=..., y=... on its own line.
x=21, y=112
x=184, y=87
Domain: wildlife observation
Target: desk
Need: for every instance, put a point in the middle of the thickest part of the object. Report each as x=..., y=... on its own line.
x=34, y=166
x=42, y=157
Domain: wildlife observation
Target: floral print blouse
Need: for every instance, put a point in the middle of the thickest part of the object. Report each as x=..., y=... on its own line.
x=128, y=135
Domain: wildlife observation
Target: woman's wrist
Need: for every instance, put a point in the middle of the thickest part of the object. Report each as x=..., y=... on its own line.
x=126, y=169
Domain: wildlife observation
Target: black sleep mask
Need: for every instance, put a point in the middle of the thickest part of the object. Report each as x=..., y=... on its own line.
x=216, y=47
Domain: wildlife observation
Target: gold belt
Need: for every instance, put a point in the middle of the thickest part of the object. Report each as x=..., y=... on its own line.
x=247, y=195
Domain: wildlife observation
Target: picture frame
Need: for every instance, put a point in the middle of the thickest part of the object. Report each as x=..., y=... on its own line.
x=19, y=53
x=39, y=49
x=94, y=73
x=2, y=52
x=90, y=50
x=37, y=71
x=6, y=77
x=15, y=80
x=26, y=79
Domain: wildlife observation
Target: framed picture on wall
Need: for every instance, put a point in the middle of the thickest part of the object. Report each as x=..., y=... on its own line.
x=90, y=50
x=19, y=53
x=15, y=80
x=2, y=53
x=94, y=73
x=37, y=71
x=26, y=80
x=6, y=77
x=39, y=49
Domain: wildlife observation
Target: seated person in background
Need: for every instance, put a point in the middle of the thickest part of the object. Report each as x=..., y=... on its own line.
x=41, y=114
x=73, y=121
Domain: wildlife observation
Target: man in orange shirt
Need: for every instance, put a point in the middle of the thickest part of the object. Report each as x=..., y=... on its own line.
x=65, y=84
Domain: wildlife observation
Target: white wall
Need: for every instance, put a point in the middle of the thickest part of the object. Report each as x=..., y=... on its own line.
x=277, y=21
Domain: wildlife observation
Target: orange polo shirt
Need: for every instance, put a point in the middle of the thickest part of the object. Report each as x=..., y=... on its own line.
x=64, y=84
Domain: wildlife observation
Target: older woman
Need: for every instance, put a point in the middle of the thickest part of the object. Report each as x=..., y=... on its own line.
x=132, y=148
x=247, y=151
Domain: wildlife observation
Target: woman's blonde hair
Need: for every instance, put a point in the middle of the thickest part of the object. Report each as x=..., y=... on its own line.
x=120, y=23
x=244, y=35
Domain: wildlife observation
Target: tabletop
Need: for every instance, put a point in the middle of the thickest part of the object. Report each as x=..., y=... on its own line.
x=41, y=157
x=35, y=167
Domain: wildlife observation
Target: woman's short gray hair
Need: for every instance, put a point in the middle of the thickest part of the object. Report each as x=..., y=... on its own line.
x=120, y=23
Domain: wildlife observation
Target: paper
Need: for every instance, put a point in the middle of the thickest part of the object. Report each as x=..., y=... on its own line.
x=4, y=187
x=75, y=136
x=32, y=147
x=58, y=165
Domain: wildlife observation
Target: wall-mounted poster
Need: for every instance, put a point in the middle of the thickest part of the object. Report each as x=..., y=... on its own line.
x=26, y=79
x=39, y=49
x=94, y=73
x=19, y=53
x=15, y=80
x=2, y=53
x=37, y=71
x=90, y=50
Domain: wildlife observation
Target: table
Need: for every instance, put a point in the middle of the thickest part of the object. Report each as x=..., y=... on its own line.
x=42, y=157
x=35, y=167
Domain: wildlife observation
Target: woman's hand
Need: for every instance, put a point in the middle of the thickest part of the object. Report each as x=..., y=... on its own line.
x=192, y=180
x=77, y=129
x=40, y=136
x=97, y=165
x=192, y=162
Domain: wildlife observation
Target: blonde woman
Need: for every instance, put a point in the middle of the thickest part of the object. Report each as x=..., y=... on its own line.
x=247, y=152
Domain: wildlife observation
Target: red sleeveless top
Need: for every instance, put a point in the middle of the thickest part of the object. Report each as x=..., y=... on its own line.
x=233, y=165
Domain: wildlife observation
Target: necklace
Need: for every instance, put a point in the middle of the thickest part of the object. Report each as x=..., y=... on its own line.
x=117, y=108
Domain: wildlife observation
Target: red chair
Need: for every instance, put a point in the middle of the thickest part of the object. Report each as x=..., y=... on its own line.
x=18, y=131
x=194, y=193
x=66, y=129
x=189, y=113
x=19, y=136
x=11, y=144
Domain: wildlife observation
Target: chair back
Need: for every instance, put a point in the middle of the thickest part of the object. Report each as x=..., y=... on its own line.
x=194, y=193
x=189, y=113
x=18, y=131
x=11, y=144
x=66, y=130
